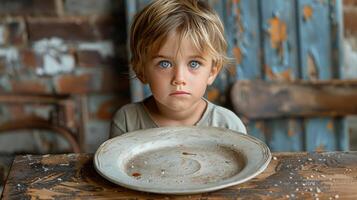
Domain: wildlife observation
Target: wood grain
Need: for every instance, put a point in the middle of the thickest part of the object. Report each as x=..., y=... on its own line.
x=329, y=175
x=260, y=100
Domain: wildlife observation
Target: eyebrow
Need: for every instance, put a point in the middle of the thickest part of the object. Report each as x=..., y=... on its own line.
x=168, y=57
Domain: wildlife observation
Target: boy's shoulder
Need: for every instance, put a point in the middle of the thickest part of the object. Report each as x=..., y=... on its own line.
x=222, y=117
x=225, y=112
x=129, y=109
x=131, y=106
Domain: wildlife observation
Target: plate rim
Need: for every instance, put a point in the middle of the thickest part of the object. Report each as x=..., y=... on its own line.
x=263, y=148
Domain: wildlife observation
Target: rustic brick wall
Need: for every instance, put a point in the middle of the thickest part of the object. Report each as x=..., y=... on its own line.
x=75, y=47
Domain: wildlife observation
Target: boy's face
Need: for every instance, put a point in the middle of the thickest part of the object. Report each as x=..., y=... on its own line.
x=178, y=74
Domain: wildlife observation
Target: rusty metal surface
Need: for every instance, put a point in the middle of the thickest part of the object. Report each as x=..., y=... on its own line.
x=329, y=175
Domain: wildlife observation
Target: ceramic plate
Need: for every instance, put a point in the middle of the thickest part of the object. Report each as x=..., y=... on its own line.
x=181, y=160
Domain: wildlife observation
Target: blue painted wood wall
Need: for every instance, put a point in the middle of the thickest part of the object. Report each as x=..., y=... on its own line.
x=278, y=40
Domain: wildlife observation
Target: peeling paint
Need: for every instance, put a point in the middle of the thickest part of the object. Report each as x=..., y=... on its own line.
x=293, y=127
x=11, y=56
x=312, y=69
x=105, y=48
x=260, y=125
x=237, y=54
x=277, y=32
x=213, y=94
x=52, y=44
x=291, y=133
x=308, y=12
x=239, y=18
x=285, y=75
x=56, y=58
x=320, y=148
x=330, y=125
x=53, y=65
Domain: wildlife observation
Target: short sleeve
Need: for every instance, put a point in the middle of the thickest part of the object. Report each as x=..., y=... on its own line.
x=118, y=124
x=236, y=124
x=218, y=116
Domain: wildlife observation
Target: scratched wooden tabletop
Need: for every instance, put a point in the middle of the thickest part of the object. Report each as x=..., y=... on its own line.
x=328, y=175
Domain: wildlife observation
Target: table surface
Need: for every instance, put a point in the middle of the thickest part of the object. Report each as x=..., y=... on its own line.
x=324, y=175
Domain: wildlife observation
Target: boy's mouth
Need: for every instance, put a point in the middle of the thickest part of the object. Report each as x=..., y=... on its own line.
x=179, y=93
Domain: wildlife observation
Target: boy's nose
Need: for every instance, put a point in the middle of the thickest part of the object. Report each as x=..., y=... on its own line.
x=179, y=77
x=178, y=82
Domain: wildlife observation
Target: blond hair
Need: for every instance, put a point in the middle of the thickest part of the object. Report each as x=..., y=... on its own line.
x=192, y=18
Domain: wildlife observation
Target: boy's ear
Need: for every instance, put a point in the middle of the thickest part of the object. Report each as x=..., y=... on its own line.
x=213, y=74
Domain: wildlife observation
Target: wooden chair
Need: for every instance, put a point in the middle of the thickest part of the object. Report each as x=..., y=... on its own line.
x=60, y=123
x=267, y=100
x=261, y=102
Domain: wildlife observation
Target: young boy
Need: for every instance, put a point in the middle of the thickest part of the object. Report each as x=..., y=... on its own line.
x=178, y=48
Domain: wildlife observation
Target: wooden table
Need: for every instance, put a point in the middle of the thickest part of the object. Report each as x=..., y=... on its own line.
x=329, y=175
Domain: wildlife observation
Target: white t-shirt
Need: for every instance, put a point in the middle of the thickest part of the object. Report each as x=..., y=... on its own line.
x=133, y=117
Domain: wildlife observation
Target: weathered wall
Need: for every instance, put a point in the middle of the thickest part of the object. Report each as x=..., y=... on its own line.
x=78, y=47
x=350, y=55
x=75, y=47
x=350, y=50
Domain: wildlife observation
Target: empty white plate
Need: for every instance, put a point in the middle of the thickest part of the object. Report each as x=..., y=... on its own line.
x=181, y=160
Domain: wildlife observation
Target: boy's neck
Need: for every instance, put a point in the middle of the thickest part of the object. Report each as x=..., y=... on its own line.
x=163, y=116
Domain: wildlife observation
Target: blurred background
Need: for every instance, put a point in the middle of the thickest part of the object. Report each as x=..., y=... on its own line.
x=64, y=71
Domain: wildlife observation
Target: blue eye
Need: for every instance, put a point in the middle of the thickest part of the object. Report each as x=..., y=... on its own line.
x=165, y=64
x=194, y=64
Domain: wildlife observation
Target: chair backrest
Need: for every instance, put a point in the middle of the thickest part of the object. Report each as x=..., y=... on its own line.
x=299, y=115
x=270, y=100
x=61, y=121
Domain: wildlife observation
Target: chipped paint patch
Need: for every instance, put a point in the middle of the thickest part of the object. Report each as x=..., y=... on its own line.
x=105, y=48
x=277, y=32
x=239, y=21
x=294, y=128
x=307, y=12
x=213, y=94
x=272, y=74
x=237, y=54
x=291, y=132
x=330, y=125
x=320, y=148
x=312, y=69
x=11, y=56
x=56, y=57
x=260, y=125
x=54, y=65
